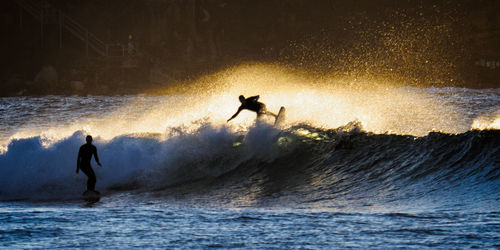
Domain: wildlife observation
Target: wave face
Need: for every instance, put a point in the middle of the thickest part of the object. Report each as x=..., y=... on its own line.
x=265, y=166
x=31, y=169
x=345, y=167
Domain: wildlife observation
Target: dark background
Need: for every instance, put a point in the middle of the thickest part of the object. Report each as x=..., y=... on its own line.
x=417, y=43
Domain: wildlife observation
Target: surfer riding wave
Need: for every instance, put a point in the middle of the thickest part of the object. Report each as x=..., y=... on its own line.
x=252, y=104
x=83, y=162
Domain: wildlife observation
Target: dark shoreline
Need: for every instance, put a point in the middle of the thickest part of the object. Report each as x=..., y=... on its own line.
x=156, y=43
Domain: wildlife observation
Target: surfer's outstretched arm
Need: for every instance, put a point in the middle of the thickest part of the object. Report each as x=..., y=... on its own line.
x=235, y=114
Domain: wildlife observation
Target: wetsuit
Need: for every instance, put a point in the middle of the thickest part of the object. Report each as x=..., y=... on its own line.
x=252, y=104
x=83, y=163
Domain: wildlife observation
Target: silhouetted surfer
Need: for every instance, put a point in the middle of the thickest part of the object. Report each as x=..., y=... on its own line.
x=252, y=104
x=83, y=162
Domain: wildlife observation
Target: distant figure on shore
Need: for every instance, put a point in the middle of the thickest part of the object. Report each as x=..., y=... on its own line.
x=252, y=104
x=83, y=162
x=130, y=46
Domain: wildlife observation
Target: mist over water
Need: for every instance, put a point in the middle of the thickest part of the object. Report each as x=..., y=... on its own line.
x=321, y=101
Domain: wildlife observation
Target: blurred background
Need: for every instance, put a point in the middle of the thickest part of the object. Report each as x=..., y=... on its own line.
x=130, y=46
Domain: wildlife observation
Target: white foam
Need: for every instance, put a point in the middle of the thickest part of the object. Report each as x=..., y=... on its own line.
x=31, y=170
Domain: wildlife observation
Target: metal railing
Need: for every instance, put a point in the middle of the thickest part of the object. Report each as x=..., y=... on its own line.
x=39, y=10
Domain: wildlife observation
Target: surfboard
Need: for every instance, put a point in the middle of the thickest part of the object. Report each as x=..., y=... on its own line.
x=280, y=118
x=91, y=196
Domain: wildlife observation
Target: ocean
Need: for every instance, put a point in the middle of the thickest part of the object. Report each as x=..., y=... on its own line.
x=397, y=167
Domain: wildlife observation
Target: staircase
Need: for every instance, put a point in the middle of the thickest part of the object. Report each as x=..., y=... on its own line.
x=44, y=12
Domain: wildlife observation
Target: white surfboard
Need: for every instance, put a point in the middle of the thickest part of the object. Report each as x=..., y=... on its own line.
x=280, y=118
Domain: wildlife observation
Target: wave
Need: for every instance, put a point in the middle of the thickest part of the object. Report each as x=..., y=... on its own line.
x=264, y=165
x=30, y=169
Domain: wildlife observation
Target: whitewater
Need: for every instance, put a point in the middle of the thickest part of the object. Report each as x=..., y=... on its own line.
x=354, y=166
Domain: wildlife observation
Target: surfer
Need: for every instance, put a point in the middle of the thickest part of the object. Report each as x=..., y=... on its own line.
x=83, y=162
x=252, y=104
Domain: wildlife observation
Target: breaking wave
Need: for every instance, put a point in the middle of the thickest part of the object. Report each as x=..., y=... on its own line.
x=263, y=166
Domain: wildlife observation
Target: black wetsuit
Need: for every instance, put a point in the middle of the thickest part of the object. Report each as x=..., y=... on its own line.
x=83, y=163
x=252, y=104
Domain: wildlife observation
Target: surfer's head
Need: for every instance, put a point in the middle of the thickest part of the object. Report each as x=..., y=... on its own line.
x=242, y=98
x=88, y=139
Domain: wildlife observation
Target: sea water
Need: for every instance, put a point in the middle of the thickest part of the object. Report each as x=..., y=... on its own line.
x=403, y=167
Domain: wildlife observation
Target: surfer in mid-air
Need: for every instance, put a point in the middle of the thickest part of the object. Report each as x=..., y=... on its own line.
x=252, y=104
x=83, y=162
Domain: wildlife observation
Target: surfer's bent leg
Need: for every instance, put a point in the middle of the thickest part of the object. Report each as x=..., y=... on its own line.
x=271, y=114
x=263, y=111
x=87, y=170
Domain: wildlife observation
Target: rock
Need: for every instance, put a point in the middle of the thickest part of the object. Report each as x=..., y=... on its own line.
x=77, y=86
x=47, y=78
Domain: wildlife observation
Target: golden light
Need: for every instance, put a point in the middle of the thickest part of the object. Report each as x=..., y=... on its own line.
x=320, y=101
x=487, y=122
